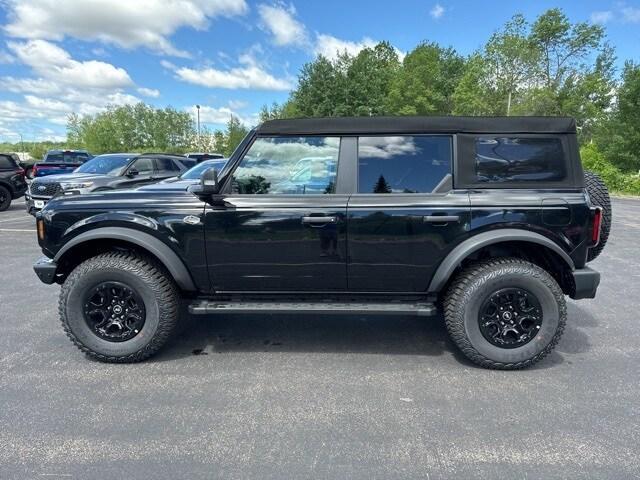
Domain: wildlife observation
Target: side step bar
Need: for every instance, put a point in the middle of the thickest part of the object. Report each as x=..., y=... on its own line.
x=209, y=307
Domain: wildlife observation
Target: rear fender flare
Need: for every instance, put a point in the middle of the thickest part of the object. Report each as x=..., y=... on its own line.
x=475, y=243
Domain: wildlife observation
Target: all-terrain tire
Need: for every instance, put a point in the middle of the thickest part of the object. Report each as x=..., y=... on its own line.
x=5, y=198
x=154, y=286
x=599, y=195
x=477, y=283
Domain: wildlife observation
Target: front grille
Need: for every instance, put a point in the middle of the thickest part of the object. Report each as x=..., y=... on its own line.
x=44, y=189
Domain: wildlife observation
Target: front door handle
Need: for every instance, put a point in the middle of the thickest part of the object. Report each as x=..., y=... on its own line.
x=319, y=221
x=440, y=218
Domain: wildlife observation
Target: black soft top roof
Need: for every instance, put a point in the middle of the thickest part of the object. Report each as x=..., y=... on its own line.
x=363, y=125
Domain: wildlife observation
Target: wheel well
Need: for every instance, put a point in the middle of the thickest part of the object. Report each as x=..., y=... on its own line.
x=535, y=253
x=91, y=248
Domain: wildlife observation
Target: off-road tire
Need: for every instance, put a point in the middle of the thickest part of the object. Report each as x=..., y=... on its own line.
x=599, y=195
x=150, y=281
x=473, y=285
x=5, y=198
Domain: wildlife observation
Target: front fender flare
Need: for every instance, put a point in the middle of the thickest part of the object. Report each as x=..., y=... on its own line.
x=162, y=252
x=466, y=248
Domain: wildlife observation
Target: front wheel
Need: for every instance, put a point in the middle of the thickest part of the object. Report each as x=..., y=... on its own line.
x=119, y=307
x=505, y=313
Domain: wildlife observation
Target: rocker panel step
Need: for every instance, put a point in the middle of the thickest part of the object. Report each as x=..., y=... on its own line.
x=209, y=307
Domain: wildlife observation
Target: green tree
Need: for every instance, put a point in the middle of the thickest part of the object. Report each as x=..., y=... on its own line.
x=619, y=136
x=236, y=131
x=381, y=186
x=426, y=82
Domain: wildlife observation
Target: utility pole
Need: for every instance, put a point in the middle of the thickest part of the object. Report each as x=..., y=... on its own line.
x=198, y=110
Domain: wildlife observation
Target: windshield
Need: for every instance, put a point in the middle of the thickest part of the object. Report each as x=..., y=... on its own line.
x=105, y=164
x=67, y=157
x=195, y=172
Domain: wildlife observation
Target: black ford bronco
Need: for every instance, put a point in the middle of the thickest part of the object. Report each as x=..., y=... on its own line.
x=490, y=221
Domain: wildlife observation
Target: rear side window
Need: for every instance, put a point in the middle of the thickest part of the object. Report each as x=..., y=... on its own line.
x=166, y=165
x=402, y=164
x=519, y=159
x=67, y=157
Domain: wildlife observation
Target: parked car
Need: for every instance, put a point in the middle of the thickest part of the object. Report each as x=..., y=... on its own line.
x=489, y=220
x=12, y=180
x=188, y=178
x=105, y=172
x=57, y=162
x=202, y=156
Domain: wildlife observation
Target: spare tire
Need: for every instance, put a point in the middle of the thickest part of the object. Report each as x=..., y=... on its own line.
x=599, y=195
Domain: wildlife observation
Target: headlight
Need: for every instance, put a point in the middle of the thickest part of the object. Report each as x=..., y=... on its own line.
x=75, y=185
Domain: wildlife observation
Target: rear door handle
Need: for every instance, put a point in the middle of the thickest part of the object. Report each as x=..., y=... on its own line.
x=319, y=221
x=440, y=218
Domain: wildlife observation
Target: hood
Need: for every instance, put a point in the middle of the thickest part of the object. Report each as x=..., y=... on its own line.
x=176, y=185
x=71, y=177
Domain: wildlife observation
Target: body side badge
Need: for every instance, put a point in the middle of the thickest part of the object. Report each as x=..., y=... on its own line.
x=191, y=220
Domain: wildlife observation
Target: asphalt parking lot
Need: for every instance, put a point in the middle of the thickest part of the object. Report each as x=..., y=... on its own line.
x=311, y=397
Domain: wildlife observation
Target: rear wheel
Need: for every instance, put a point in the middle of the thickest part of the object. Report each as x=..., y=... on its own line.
x=505, y=313
x=119, y=307
x=5, y=198
x=599, y=196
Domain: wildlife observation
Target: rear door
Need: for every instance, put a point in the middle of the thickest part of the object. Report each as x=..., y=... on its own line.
x=405, y=215
x=167, y=168
x=280, y=223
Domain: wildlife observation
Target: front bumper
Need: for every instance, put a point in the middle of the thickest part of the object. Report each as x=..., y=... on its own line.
x=34, y=205
x=46, y=269
x=586, y=283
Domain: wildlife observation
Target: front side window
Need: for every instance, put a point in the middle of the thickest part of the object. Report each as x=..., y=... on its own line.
x=288, y=165
x=519, y=159
x=143, y=165
x=402, y=164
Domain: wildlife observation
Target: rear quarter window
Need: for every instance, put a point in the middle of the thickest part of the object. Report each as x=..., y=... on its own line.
x=513, y=161
x=7, y=163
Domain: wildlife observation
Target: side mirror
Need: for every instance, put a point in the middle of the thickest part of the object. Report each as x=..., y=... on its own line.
x=208, y=184
x=132, y=173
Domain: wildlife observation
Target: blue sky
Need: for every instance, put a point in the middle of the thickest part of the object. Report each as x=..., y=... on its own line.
x=229, y=56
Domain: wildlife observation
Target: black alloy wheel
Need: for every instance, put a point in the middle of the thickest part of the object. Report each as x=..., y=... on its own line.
x=114, y=311
x=510, y=317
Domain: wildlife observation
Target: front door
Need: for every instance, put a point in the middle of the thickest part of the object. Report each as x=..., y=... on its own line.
x=405, y=216
x=280, y=226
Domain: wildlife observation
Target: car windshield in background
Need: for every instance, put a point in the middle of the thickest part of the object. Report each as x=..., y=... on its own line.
x=70, y=157
x=195, y=172
x=105, y=164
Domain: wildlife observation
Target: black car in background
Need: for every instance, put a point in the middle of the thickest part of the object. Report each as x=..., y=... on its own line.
x=105, y=172
x=57, y=162
x=12, y=180
x=188, y=178
x=202, y=156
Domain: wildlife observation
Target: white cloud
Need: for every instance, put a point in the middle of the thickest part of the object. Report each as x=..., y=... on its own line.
x=52, y=62
x=250, y=75
x=149, y=92
x=168, y=65
x=147, y=23
x=602, y=16
x=437, y=11
x=63, y=85
x=330, y=46
x=280, y=21
x=221, y=115
x=631, y=14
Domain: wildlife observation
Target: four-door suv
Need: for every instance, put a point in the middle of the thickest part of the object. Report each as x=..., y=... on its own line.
x=102, y=173
x=12, y=180
x=485, y=219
